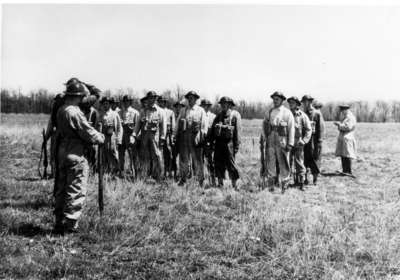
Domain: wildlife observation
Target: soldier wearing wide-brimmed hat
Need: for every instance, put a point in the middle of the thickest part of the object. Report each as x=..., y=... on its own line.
x=312, y=150
x=129, y=118
x=225, y=138
x=346, y=143
x=74, y=133
x=278, y=139
x=302, y=136
x=112, y=129
x=152, y=129
x=191, y=130
x=169, y=141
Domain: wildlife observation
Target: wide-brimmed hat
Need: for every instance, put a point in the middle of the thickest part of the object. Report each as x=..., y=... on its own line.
x=180, y=103
x=72, y=81
x=205, y=102
x=278, y=94
x=193, y=93
x=106, y=99
x=307, y=97
x=344, y=106
x=226, y=99
x=150, y=94
x=75, y=89
x=294, y=99
x=127, y=98
x=318, y=105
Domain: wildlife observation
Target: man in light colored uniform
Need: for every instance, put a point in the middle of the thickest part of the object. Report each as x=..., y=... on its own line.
x=301, y=137
x=152, y=128
x=278, y=134
x=74, y=133
x=112, y=129
x=191, y=131
x=129, y=118
x=208, y=152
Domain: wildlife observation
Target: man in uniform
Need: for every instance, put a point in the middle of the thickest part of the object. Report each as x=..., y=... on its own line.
x=112, y=129
x=312, y=150
x=208, y=149
x=301, y=137
x=278, y=134
x=167, y=148
x=152, y=128
x=129, y=118
x=225, y=138
x=191, y=130
x=72, y=169
x=175, y=147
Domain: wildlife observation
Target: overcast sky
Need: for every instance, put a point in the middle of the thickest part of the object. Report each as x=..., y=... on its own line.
x=247, y=52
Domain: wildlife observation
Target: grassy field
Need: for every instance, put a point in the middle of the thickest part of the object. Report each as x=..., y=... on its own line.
x=343, y=228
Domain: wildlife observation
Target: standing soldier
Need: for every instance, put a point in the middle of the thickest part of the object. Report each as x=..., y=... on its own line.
x=72, y=169
x=346, y=143
x=191, y=130
x=167, y=148
x=208, y=149
x=226, y=130
x=112, y=129
x=114, y=104
x=278, y=134
x=152, y=128
x=312, y=150
x=175, y=148
x=129, y=118
x=301, y=137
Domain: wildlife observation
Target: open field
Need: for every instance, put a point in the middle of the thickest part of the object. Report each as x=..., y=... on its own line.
x=342, y=229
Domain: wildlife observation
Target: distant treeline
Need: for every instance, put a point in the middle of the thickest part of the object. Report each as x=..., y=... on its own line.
x=40, y=101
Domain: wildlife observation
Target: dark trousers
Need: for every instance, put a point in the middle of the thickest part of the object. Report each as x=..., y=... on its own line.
x=346, y=165
x=224, y=159
x=312, y=157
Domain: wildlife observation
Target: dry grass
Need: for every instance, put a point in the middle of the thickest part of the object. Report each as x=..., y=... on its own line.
x=342, y=229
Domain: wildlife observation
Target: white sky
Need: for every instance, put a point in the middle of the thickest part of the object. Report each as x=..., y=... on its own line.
x=247, y=52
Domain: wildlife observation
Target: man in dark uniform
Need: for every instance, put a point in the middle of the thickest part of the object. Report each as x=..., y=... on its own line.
x=226, y=131
x=312, y=150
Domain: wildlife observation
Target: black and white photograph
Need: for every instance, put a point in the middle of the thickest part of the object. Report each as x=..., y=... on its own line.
x=190, y=140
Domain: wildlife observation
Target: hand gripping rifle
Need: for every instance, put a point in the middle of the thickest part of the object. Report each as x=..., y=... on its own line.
x=43, y=157
x=100, y=172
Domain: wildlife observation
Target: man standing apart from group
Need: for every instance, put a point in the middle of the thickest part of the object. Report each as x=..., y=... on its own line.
x=129, y=118
x=112, y=129
x=191, y=130
x=208, y=149
x=225, y=138
x=74, y=134
x=302, y=136
x=278, y=134
x=312, y=150
x=346, y=143
x=152, y=128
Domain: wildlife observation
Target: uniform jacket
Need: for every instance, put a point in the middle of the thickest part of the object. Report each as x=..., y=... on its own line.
x=317, y=124
x=346, y=142
x=112, y=121
x=232, y=118
x=193, y=116
x=129, y=117
x=302, y=126
x=155, y=116
x=210, y=120
x=75, y=132
x=280, y=119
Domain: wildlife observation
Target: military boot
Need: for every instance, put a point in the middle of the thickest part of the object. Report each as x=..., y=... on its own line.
x=315, y=179
x=306, y=179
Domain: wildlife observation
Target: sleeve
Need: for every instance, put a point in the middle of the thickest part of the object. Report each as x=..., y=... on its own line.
x=177, y=122
x=348, y=124
x=319, y=127
x=118, y=129
x=204, y=124
x=212, y=129
x=291, y=129
x=307, y=129
x=136, y=130
x=163, y=125
x=237, y=132
x=85, y=131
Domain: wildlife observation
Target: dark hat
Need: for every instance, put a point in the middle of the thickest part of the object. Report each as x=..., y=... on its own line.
x=344, y=106
x=105, y=99
x=278, y=94
x=113, y=100
x=75, y=89
x=294, y=99
x=58, y=96
x=72, y=80
x=127, y=98
x=180, y=103
x=205, y=102
x=307, y=97
x=193, y=93
x=150, y=94
x=89, y=101
x=93, y=90
x=318, y=105
x=226, y=99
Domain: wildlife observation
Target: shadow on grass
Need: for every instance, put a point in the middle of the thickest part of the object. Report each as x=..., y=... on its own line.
x=29, y=179
x=35, y=205
x=28, y=230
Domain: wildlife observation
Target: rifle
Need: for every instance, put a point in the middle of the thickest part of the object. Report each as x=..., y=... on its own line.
x=100, y=172
x=43, y=155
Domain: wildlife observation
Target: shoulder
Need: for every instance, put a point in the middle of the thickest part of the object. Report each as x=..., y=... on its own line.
x=236, y=114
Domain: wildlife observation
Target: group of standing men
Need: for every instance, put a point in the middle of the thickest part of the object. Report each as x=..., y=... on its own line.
x=157, y=138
